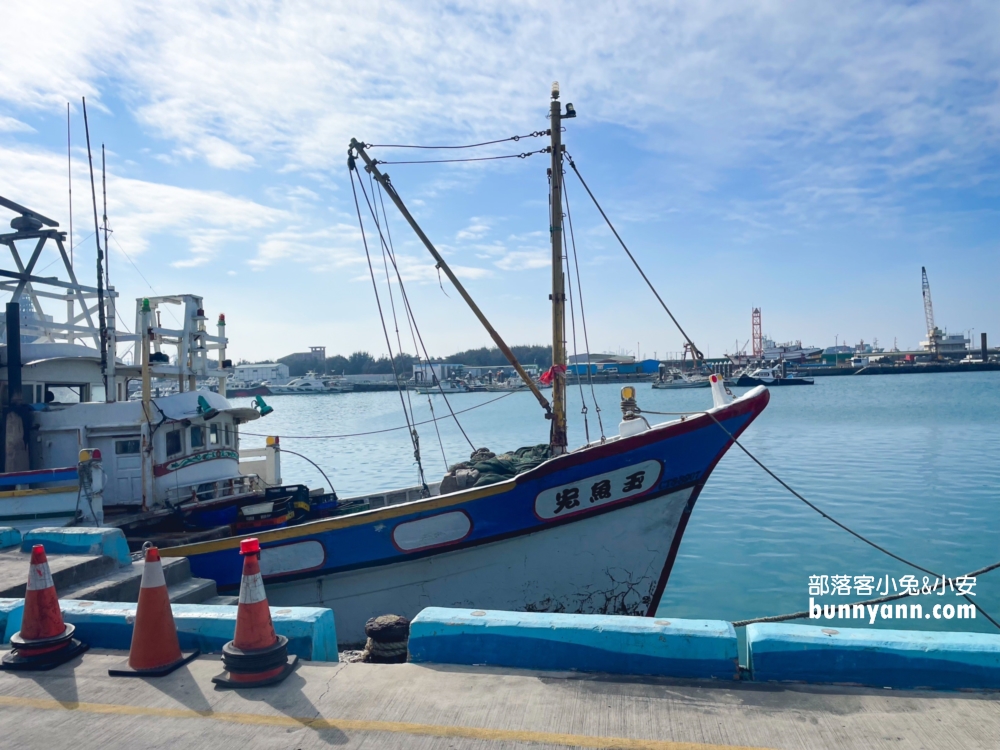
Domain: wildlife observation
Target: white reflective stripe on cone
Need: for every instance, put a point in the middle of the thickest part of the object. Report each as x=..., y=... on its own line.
x=252, y=589
x=39, y=577
x=152, y=575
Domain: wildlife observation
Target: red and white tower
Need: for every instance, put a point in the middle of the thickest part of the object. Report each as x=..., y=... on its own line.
x=757, y=336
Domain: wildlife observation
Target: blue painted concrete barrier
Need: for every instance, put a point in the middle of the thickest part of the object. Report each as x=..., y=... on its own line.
x=9, y=537
x=10, y=618
x=879, y=658
x=310, y=631
x=80, y=540
x=585, y=643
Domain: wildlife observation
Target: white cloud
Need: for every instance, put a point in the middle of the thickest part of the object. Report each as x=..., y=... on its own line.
x=10, y=125
x=724, y=80
x=520, y=260
x=325, y=249
x=139, y=211
x=477, y=229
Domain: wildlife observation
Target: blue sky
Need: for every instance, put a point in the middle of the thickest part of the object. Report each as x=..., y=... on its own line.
x=806, y=158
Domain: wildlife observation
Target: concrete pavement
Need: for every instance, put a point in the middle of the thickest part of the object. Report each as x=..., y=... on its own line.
x=426, y=706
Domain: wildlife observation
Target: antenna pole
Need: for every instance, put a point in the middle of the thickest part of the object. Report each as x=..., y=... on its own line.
x=557, y=437
x=69, y=177
x=104, y=191
x=100, y=257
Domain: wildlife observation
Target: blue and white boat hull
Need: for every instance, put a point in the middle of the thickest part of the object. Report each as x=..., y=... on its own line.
x=593, y=531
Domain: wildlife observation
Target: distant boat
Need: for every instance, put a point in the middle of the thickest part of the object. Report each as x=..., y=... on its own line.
x=675, y=379
x=311, y=383
x=791, y=351
x=244, y=390
x=445, y=386
x=770, y=376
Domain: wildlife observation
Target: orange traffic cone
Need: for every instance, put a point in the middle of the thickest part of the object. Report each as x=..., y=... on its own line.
x=155, y=649
x=44, y=640
x=256, y=656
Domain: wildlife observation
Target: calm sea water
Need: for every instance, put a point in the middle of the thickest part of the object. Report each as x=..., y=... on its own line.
x=910, y=461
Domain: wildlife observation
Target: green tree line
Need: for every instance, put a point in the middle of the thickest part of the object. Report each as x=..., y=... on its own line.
x=363, y=363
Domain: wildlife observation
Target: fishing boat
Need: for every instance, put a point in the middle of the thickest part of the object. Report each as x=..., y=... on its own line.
x=771, y=376
x=77, y=451
x=674, y=379
x=545, y=528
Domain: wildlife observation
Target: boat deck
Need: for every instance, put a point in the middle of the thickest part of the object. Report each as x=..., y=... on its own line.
x=427, y=706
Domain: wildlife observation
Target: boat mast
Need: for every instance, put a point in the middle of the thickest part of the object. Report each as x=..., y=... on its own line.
x=557, y=436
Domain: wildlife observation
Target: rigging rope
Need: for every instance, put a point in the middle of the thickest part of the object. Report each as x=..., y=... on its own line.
x=695, y=350
x=409, y=321
x=524, y=155
x=583, y=315
x=385, y=331
x=414, y=436
x=377, y=432
x=572, y=322
x=350, y=162
x=534, y=134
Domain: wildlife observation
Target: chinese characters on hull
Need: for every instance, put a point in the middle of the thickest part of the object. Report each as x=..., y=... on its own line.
x=594, y=491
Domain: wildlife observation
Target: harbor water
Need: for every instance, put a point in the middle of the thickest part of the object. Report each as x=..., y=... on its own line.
x=912, y=462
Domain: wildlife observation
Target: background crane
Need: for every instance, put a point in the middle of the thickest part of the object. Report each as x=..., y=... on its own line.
x=932, y=332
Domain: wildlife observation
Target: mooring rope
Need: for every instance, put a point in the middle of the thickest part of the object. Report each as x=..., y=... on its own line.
x=880, y=600
x=830, y=518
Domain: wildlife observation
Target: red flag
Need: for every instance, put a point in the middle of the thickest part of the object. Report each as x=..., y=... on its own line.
x=549, y=374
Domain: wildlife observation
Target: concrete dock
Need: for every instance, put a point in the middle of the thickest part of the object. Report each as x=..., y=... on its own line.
x=428, y=706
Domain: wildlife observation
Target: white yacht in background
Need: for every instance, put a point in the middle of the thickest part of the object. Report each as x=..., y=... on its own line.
x=674, y=379
x=791, y=351
x=311, y=384
x=444, y=386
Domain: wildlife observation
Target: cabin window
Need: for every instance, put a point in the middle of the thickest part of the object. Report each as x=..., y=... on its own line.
x=67, y=394
x=126, y=447
x=228, y=435
x=213, y=435
x=197, y=437
x=175, y=442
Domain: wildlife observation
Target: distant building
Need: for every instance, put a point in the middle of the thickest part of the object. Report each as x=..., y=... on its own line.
x=272, y=372
x=625, y=359
x=425, y=372
x=619, y=366
x=948, y=344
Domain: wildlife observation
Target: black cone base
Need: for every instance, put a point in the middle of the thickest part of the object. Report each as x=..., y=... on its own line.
x=225, y=679
x=126, y=671
x=16, y=661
